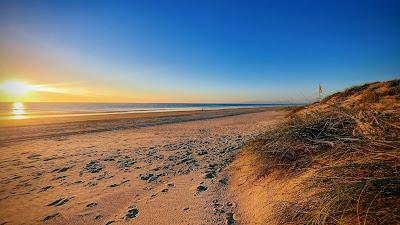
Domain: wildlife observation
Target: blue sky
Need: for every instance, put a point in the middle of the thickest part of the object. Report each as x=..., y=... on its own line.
x=203, y=51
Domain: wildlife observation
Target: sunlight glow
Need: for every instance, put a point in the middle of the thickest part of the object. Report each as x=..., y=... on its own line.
x=18, y=110
x=19, y=91
x=15, y=88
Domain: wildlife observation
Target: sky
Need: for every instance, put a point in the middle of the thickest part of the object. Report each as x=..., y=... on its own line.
x=196, y=51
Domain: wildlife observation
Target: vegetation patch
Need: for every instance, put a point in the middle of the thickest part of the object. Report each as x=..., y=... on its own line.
x=351, y=142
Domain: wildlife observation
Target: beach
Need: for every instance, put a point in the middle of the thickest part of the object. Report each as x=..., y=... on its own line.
x=150, y=168
x=200, y=113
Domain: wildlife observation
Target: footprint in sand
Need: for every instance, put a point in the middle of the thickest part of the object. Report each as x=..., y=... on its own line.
x=126, y=163
x=230, y=218
x=113, y=185
x=223, y=181
x=51, y=216
x=210, y=175
x=93, y=166
x=43, y=189
x=60, y=201
x=59, y=178
x=98, y=217
x=91, y=205
x=201, y=188
x=132, y=213
x=62, y=169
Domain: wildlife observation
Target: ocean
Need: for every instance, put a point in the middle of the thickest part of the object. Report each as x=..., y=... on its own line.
x=19, y=110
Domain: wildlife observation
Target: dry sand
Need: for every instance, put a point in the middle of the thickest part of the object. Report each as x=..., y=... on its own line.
x=143, y=170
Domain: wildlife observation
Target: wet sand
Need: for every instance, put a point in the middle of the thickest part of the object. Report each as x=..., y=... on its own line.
x=144, y=169
x=27, y=129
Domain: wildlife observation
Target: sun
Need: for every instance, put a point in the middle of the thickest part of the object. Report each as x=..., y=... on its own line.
x=15, y=88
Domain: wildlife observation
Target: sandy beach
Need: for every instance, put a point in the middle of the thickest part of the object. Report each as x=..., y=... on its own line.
x=162, y=168
x=200, y=112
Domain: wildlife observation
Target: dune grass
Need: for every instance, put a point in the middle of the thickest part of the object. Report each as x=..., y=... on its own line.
x=354, y=153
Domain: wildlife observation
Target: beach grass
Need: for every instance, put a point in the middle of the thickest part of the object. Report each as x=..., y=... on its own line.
x=349, y=145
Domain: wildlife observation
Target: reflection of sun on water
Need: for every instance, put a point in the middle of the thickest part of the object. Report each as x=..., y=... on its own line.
x=18, y=110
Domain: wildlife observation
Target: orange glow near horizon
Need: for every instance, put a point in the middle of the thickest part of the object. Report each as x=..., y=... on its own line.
x=80, y=91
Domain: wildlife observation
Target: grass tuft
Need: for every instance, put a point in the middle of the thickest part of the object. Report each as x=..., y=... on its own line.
x=353, y=151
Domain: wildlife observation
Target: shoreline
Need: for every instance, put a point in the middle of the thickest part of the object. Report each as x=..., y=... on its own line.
x=30, y=129
x=32, y=110
x=111, y=115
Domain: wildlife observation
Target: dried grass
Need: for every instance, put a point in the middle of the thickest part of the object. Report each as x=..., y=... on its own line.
x=355, y=153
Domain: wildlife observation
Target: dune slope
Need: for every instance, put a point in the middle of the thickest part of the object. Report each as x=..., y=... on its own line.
x=332, y=162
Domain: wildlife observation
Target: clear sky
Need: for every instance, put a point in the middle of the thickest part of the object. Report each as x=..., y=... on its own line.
x=196, y=51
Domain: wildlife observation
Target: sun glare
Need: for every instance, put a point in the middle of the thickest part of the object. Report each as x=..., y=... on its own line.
x=15, y=88
x=18, y=110
x=20, y=91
